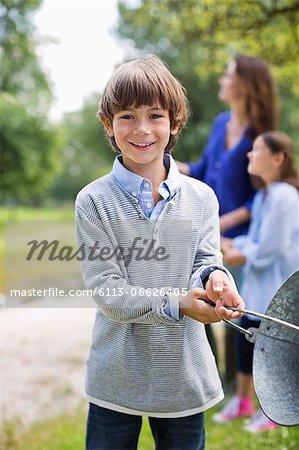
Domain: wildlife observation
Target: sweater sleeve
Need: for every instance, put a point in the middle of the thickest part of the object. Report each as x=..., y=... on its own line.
x=113, y=294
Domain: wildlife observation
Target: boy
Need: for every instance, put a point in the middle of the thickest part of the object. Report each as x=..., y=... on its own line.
x=154, y=239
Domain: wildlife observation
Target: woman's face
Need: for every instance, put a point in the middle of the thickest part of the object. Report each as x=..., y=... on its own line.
x=231, y=85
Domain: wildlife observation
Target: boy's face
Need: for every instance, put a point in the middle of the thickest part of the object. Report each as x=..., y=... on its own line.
x=142, y=134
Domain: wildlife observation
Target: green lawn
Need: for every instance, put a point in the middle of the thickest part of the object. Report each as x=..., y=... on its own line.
x=7, y=214
x=67, y=433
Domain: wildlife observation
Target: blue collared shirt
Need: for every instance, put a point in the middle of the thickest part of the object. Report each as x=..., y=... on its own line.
x=142, y=188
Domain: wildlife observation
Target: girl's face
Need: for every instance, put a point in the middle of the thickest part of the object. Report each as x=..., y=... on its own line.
x=231, y=86
x=264, y=163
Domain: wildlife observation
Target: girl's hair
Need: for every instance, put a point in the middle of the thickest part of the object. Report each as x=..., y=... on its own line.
x=145, y=81
x=279, y=142
x=262, y=98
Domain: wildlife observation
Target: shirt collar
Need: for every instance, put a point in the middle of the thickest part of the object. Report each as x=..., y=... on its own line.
x=131, y=182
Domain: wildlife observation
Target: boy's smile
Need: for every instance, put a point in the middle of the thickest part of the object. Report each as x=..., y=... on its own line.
x=142, y=134
x=142, y=146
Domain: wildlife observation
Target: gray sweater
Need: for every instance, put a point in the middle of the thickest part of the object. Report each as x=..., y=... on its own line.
x=143, y=361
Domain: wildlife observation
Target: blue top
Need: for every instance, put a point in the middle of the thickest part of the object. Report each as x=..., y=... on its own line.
x=271, y=246
x=142, y=189
x=226, y=171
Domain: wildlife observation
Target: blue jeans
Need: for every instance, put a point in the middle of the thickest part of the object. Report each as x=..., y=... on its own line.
x=112, y=430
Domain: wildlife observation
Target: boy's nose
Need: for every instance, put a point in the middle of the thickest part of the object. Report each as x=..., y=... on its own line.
x=141, y=129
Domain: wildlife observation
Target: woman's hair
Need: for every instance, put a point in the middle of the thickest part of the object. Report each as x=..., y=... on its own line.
x=279, y=142
x=141, y=82
x=262, y=98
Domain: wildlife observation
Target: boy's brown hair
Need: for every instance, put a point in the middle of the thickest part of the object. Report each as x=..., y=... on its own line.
x=141, y=82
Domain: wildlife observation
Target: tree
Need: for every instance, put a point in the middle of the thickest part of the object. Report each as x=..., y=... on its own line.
x=196, y=38
x=21, y=74
x=267, y=28
x=28, y=144
x=86, y=153
x=28, y=162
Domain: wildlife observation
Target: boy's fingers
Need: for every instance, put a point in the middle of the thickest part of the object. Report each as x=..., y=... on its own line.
x=216, y=281
x=225, y=313
x=217, y=285
x=199, y=293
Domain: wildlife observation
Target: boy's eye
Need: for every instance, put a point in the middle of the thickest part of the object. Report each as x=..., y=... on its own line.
x=127, y=117
x=156, y=116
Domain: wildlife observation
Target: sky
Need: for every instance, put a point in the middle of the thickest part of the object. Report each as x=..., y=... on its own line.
x=84, y=52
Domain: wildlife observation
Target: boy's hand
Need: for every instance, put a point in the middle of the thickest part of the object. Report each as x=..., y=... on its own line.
x=220, y=290
x=192, y=305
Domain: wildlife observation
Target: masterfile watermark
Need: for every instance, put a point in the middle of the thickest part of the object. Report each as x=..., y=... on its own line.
x=43, y=259
x=52, y=292
x=140, y=249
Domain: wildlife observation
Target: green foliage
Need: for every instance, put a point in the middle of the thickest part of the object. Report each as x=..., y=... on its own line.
x=63, y=213
x=28, y=144
x=29, y=152
x=196, y=38
x=289, y=117
x=213, y=29
x=21, y=74
x=86, y=154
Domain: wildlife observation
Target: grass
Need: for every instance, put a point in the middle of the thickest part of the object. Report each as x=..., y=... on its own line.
x=67, y=433
x=61, y=433
x=7, y=214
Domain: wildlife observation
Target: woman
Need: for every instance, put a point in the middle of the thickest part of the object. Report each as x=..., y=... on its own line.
x=249, y=89
x=270, y=254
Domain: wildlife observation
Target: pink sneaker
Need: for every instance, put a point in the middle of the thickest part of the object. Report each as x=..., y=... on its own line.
x=260, y=422
x=235, y=408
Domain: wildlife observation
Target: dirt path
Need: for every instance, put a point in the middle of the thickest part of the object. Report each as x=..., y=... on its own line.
x=42, y=361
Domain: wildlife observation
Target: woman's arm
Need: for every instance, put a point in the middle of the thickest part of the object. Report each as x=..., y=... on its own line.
x=234, y=218
x=183, y=168
x=234, y=257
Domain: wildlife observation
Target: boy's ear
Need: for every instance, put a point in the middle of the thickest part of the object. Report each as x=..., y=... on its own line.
x=176, y=128
x=106, y=123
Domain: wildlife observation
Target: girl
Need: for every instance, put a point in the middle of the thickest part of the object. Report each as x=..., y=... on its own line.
x=269, y=252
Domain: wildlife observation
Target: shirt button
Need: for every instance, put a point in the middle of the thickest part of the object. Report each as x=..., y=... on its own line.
x=134, y=193
x=146, y=185
x=149, y=205
x=218, y=164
